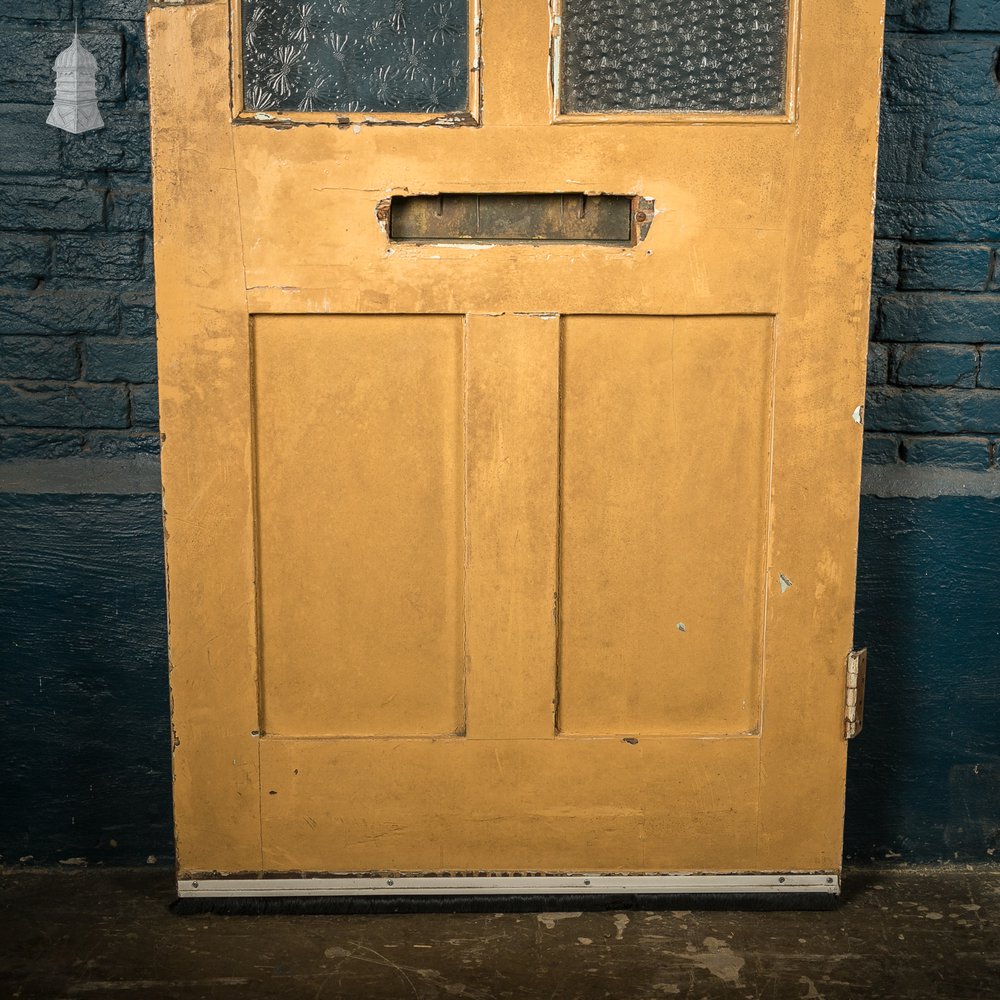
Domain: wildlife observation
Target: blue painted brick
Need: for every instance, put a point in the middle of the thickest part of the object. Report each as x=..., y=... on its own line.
x=954, y=452
x=922, y=71
x=37, y=10
x=878, y=364
x=933, y=411
x=935, y=213
x=29, y=145
x=76, y=405
x=935, y=365
x=123, y=144
x=961, y=151
x=131, y=207
x=897, y=137
x=115, y=10
x=935, y=266
x=145, y=405
x=885, y=266
x=964, y=319
x=23, y=256
x=117, y=360
x=38, y=358
x=917, y=15
x=989, y=368
x=51, y=204
x=16, y=443
x=976, y=15
x=108, y=258
x=138, y=315
x=137, y=70
x=120, y=444
x=147, y=261
x=58, y=312
x=880, y=449
x=27, y=54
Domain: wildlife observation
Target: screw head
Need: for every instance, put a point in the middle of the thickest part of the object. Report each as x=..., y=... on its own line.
x=640, y=216
x=782, y=879
x=389, y=882
x=194, y=885
x=586, y=881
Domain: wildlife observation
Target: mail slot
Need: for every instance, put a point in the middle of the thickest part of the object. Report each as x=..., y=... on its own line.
x=515, y=218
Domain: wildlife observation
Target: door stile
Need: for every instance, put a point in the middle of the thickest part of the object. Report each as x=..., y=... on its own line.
x=512, y=460
x=202, y=342
x=823, y=332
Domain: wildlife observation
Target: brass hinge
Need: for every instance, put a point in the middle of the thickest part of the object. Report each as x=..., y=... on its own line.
x=854, y=708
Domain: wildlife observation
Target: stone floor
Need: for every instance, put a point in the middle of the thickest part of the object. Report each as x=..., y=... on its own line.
x=915, y=934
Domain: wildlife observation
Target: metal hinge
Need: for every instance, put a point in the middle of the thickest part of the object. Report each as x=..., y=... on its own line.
x=854, y=707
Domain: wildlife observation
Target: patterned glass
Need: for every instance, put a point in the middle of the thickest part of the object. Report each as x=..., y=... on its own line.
x=356, y=55
x=673, y=55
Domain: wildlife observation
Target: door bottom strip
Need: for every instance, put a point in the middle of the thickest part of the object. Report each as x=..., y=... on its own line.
x=785, y=884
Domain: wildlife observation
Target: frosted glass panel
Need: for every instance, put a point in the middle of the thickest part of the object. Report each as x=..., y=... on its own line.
x=356, y=55
x=673, y=55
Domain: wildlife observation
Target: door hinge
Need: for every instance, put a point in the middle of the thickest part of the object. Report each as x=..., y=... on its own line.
x=854, y=707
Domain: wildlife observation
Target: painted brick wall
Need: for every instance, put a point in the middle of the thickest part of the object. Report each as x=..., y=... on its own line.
x=77, y=349
x=934, y=364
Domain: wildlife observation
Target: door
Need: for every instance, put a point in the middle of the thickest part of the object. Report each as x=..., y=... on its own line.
x=511, y=359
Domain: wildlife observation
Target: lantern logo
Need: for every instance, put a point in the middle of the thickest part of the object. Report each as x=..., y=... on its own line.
x=75, y=106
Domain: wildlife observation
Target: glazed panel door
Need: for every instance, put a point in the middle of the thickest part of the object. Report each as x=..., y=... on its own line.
x=510, y=362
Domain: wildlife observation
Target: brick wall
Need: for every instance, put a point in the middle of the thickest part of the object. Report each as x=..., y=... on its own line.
x=77, y=349
x=934, y=364
x=77, y=357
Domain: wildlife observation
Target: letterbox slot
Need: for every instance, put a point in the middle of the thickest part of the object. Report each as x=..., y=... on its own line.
x=514, y=218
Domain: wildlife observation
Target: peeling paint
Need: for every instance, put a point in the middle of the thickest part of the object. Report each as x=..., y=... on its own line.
x=811, y=992
x=784, y=582
x=718, y=959
x=549, y=919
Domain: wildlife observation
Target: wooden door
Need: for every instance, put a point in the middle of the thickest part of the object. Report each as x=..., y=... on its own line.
x=511, y=546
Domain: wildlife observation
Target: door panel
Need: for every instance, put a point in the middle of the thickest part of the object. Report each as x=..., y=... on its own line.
x=512, y=805
x=665, y=464
x=516, y=556
x=359, y=451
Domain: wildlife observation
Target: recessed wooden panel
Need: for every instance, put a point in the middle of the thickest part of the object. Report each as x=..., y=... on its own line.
x=509, y=805
x=665, y=466
x=359, y=524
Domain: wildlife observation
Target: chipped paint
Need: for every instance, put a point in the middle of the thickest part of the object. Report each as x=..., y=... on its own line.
x=784, y=582
x=718, y=959
x=549, y=919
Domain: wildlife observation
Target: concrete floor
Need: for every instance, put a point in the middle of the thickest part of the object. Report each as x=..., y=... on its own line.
x=915, y=934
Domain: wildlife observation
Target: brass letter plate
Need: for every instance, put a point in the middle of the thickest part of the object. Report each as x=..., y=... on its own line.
x=518, y=218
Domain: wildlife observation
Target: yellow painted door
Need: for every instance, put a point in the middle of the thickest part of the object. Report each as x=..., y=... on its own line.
x=500, y=543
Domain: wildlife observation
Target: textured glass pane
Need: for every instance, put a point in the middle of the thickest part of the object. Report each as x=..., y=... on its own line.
x=673, y=55
x=356, y=55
